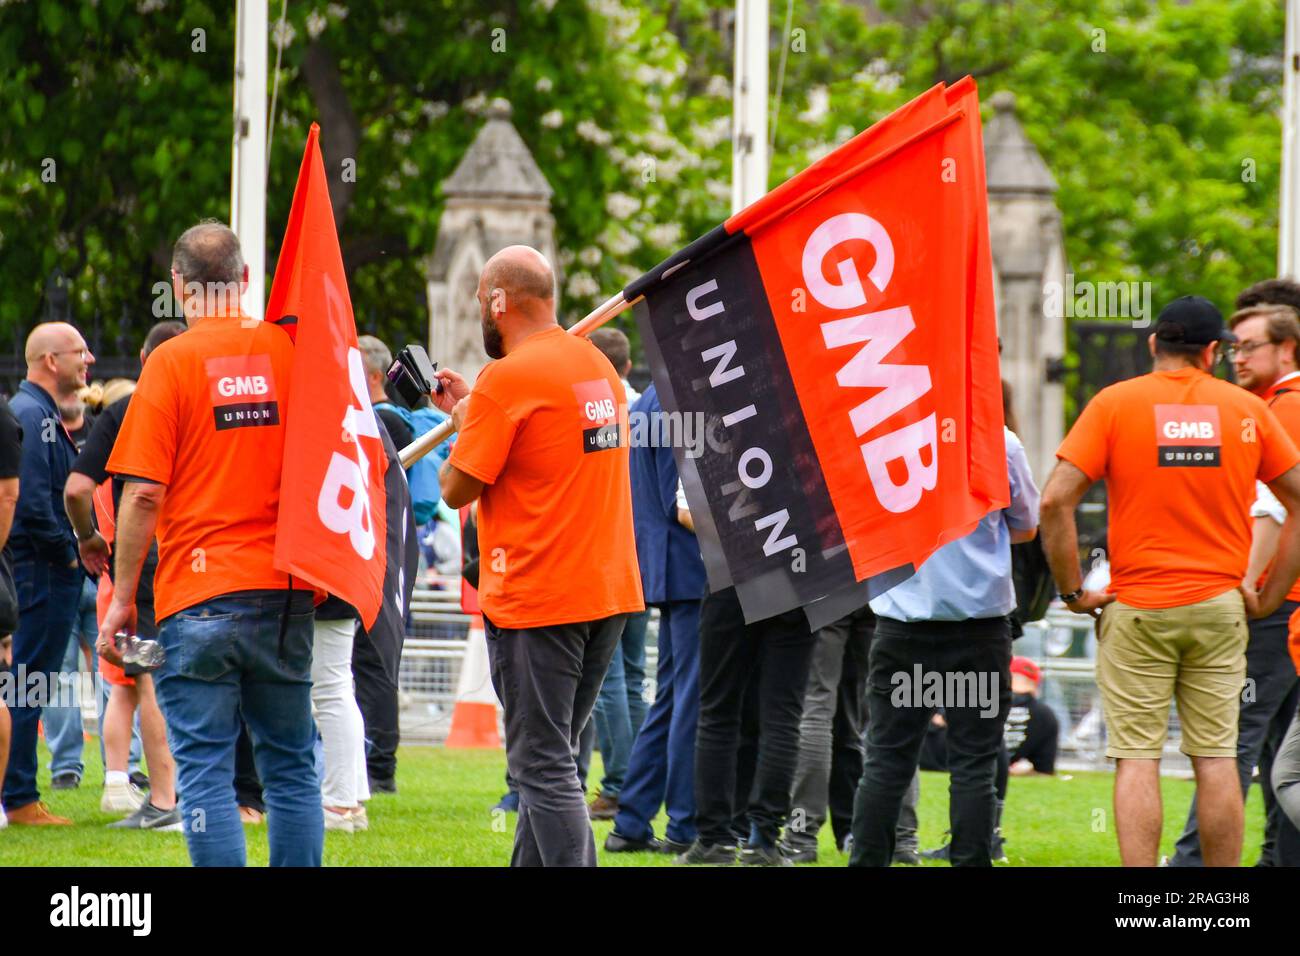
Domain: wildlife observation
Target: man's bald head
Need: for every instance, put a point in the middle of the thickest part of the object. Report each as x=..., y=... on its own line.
x=50, y=337
x=208, y=270
x=522, y=273
x=57, y=359
x=516, y=294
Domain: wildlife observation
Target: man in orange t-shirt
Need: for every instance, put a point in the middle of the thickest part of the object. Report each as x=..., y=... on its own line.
x=1180, y=452
x=543, y=447
x=201, y=450
x=1264, y=359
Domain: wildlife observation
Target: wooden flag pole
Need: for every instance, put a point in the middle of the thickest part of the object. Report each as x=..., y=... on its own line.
x=435, y=436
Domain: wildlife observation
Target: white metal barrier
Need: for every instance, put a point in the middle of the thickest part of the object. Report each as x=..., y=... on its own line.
x=1063, y=644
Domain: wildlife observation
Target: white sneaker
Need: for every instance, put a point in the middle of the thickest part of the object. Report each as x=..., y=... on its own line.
x=339, y=821
x=4, y=820
x=360, y=820
x=121, y=798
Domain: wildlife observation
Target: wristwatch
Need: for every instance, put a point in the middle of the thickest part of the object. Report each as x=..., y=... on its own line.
x=1072, y=596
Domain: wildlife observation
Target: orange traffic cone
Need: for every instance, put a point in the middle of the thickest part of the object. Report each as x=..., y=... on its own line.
x=474, y=718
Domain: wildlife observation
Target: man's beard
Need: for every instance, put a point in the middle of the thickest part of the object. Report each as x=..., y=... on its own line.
x=492, y=343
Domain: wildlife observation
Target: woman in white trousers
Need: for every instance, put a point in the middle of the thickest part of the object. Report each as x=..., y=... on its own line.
x=344, y=786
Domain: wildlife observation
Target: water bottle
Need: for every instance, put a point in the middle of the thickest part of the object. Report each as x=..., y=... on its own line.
x=145, y=654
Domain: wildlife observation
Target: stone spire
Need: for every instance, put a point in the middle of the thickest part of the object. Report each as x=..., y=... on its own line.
x=496, y=197
x=1012, y=163
x=497, y=165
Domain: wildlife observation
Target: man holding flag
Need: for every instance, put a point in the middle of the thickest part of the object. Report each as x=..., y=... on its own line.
x=543, y=445
x=201, y=450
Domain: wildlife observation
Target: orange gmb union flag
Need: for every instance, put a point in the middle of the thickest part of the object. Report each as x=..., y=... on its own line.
x=332, y=522
x=839, y=337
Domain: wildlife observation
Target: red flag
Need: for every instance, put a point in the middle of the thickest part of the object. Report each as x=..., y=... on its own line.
x=332, y=527
x=839, y=338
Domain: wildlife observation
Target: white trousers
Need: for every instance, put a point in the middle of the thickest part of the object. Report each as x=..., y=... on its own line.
x=334, y=705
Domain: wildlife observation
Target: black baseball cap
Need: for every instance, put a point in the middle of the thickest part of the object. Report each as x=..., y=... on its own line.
x=1192, y=320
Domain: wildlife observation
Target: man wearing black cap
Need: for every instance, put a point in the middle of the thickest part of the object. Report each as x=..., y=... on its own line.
x=1180, y=452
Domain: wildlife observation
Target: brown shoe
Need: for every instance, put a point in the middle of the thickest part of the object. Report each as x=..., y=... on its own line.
x=36, y=815
x=603, y=808
x=249, y=815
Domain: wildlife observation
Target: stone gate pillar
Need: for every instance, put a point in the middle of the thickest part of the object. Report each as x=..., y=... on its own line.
x=1028, y=254
x=496, y=197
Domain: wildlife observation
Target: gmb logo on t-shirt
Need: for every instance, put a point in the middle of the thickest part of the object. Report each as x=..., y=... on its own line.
x=242, y=391
x=599, y=412
x=1188, y=436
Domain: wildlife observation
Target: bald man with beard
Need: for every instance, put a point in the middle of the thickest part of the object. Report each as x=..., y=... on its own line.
x=543, y=448
x=42, y=545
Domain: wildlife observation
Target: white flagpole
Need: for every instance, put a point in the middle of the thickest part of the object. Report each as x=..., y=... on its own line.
x=1288, y=246
x=749, y=105
x=248, y=157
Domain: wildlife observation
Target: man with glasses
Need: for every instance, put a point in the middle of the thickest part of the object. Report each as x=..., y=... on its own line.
x=1264, y=359
x=47, y=573
x=1180, y=452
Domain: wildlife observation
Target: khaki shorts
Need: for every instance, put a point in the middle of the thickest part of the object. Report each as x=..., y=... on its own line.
x=1195, y=654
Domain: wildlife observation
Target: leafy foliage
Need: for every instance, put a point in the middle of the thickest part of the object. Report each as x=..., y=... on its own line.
x=1158, y=120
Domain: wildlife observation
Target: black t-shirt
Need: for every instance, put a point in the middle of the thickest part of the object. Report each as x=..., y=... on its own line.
x=1031, y=732
x=11, y=442
x=398, y=430
x=92, y=460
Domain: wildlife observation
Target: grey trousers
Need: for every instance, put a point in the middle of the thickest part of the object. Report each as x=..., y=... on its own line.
x=1286, y=773
x=1266, y=712
x=547, y=679
x=831, y=738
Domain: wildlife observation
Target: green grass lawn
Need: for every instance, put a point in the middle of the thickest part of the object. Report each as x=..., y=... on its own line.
x=443, y=817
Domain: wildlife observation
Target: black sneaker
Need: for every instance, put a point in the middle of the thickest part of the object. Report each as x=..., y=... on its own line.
x=940, y=853
x=797, y=854
x=65, y=781
x=700, y=854
x=674, y=847
x=383, y=785
x=759, y=855
x=149, y=817
x=998, y=852
x=140, y=780
x=906, y=856
x=617, y=843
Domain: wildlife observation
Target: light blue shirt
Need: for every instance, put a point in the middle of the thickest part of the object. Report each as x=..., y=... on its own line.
x=970, y=577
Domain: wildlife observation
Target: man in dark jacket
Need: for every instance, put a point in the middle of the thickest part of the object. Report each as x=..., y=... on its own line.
x=661, y=769
x=47, y=574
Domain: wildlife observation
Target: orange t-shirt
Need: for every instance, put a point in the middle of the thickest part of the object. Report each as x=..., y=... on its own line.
x=207, y=420
x=1293, y=638
x=546, y=433
x=1283, y=399
x=1180, y=452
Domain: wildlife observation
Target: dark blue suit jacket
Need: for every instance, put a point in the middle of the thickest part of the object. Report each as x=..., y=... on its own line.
x=41, y=529
x=669, y=555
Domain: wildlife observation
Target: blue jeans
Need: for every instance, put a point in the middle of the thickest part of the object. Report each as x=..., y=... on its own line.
x=225, y=657
x=47, y=605
x=63, y=730
x=661, y=769
x=620, y=708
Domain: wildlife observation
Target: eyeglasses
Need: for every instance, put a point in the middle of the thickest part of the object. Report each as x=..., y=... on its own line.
x=1244, y=349
x=83, y=354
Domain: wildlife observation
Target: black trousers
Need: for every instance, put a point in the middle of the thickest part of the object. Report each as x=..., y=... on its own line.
x=770, y=657
x=547, y=679
x=377, y=698
x=248, y=785
x=971, y=663
x=1268, y=703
